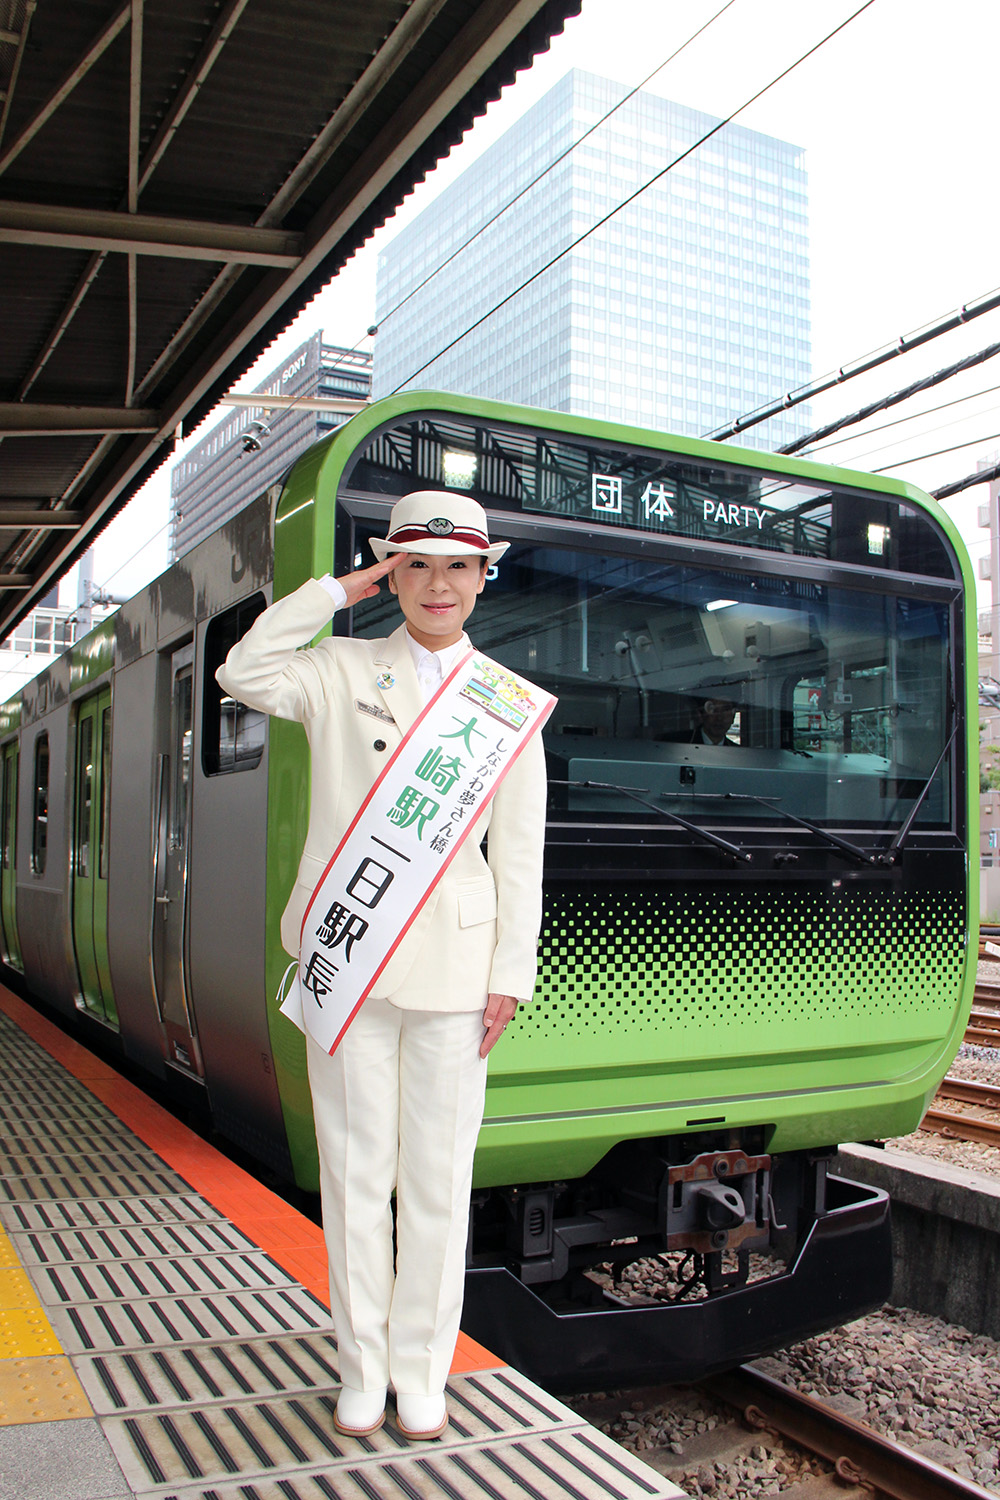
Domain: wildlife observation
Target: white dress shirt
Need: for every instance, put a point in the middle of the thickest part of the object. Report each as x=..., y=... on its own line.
x=434, y=666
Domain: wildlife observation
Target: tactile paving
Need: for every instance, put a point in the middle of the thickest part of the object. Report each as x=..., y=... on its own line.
x=40, y=1390
x=16, y=1291
x=211, y=1371
x=8, y=1259
x=26, y=1334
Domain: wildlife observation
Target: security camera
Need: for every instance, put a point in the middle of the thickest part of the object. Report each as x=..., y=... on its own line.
x=253, y=439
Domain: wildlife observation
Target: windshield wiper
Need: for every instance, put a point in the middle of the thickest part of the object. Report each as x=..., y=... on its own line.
x=733, y=850
x=889, y=857
x=822, y=833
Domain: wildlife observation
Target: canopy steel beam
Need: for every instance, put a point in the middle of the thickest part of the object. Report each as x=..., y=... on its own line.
x=346, y=406
x=146, y=234
x=97, y=50
x=31, y=419
x=130, y=442
x=20, y=39
x=25, y=517
x=207, y=58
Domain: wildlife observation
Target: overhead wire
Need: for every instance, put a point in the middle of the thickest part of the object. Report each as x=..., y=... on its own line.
x=927, y=411
x=695, y=146
x=919, y=458
x=989, y=302
x=858, y=457
x=969, y=362
x=984, y=476
x=488, y=223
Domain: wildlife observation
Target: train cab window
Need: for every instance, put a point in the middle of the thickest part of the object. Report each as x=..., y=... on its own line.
x=718, y=695
x=40, y=806
x=232, y=734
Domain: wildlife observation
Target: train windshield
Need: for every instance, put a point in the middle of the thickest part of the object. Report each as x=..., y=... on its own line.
x=722, y=696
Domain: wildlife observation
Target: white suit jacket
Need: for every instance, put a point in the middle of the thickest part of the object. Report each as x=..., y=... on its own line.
x=478, y=931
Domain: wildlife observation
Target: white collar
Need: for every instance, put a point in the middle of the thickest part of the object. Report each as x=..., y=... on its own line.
x=446, y=657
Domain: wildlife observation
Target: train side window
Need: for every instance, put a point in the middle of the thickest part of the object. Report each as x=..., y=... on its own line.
x=84, y=795
x=8, y=819
x=40, y=806
x=232, y=735
x=105, y=810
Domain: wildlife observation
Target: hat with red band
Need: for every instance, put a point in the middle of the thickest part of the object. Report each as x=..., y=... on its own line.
x=440, y=524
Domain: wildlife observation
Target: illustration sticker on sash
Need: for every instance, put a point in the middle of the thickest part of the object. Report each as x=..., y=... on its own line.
x=404, y=836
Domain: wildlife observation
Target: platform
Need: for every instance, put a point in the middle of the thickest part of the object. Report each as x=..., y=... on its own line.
x=163, y=1328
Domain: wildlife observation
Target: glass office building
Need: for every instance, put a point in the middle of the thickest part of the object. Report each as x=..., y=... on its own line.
x=688, y=307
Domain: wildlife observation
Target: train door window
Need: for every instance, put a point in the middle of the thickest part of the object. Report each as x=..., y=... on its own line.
x=232, y=734
x=84, y=795
x=8, y=819
x=40, y=806
x=8, y=856
x=181, y=751
x=105, y=812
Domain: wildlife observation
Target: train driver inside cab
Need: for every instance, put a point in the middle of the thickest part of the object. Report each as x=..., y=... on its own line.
x=714, y=718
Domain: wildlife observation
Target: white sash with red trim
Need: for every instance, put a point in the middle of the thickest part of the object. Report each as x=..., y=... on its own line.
x=404, y=836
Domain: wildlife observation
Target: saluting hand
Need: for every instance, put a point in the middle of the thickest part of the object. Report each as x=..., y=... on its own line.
x=364, y=584
x=499, y=1011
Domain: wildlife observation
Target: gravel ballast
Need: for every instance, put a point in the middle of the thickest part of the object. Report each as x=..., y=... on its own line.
x=933, y=1387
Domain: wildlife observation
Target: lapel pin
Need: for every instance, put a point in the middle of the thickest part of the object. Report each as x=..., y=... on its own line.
x=385, y=680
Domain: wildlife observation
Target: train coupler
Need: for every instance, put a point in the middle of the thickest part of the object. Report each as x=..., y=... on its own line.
x=720, y=1200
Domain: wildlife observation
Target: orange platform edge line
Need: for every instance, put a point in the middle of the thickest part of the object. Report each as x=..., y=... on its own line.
x=294, y=1242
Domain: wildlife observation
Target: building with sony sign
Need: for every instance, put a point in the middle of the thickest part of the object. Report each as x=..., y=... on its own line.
x=252, y=446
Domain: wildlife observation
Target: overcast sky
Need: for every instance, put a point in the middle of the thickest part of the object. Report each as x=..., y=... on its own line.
x=897, y=119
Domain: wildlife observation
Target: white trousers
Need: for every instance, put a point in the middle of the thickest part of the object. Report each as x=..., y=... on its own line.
x=398, y=1105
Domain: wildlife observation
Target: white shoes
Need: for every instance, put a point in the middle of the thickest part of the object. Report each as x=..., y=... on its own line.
x=359, y=1412
x=420, y=1417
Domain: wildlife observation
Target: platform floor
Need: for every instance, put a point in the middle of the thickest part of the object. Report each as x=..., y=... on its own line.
x=163, y=1328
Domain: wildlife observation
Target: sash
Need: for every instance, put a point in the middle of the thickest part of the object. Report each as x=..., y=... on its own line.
x=405, y=834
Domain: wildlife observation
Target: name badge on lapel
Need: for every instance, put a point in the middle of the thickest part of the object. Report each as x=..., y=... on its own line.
x=374, y=710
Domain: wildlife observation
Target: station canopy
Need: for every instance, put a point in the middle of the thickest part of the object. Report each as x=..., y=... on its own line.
x=178, y=178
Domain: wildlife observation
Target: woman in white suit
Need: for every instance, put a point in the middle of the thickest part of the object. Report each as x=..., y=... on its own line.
x=400, y=1102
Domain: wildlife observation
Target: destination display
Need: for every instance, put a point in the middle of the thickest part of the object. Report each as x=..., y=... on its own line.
x=713, y=495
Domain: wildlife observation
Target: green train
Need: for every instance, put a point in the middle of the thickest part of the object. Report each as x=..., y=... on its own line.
x=759, y=896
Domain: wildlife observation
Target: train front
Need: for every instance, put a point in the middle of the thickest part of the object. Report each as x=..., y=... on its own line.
x=758, y=885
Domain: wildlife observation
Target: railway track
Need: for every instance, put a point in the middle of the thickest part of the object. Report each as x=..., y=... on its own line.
x=983, y=1029
x=861, y=1457
x=802, y=1436
x=961, y=1126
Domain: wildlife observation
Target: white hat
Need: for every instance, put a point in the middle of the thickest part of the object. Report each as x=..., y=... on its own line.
x=438, y=523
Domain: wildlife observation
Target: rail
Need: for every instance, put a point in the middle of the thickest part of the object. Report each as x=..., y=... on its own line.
x=860, y=1455
x=964, y=1127
x=983, y=1029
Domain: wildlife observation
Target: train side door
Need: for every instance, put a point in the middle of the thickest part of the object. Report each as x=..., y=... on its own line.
x=91, y=809
x=171, y=858
x=8, y=857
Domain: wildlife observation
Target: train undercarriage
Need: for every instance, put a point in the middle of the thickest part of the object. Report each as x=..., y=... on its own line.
x=737, y=1253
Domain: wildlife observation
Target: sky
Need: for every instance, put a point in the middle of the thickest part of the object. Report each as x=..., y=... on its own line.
x=896, y=115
